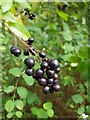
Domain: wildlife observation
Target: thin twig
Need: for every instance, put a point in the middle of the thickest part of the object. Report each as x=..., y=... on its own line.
x=15, y=89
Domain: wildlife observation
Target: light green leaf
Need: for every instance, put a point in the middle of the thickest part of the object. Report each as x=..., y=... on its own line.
x=28, y=79
x=15, y=71
x=42, y=113
x=50, y=113
x=19, y=104
x=66, y=57
x=77, y=98
x=9, y=89
x=80, y=110
x=63, y=15
x=22, y=92
x=34, y=110
x=9, y=105
x=68, y=48
x=23, y=3
x=6, y=5
x=9, y=16
x=67, y=35
x=47, y=105
x=75, y=59
x=10, y=115
x=19, y=30
x=32, y=97
x=19, y=114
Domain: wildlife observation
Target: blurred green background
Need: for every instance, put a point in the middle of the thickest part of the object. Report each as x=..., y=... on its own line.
x=60, y=30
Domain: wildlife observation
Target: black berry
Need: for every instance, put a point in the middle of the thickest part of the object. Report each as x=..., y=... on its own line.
x=46, y=89
x=30, y=41
x=32, y=50
x=29, y=72
x=50, y=73
x=39, y=73
x=57, y=70
x=30, y=62
x=43, y=81
x=44, y=65
x=12, y=49
x=42, y=54
x=50, y=81
x=56, y=87
x=17, y=52
x=53, y=64
x=26, y=52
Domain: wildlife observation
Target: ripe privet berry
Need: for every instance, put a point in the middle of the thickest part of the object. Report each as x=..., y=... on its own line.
x=39, y=73
x=30, y=62
x=42, y=54
x=29, y=72
x=15, y=51
x=55, y=81
x=57, y=70
x=42, y=81
x=53, y=64
x=26, y=52
x=12, y=49
x=50, y=73
x=44, y=65
x=31, y=16
x=30, y=41
x=56, y=76
x=50, y=81
x=46, y=89
x=56, y=87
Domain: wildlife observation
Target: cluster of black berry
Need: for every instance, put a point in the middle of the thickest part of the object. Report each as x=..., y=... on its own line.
x=47, y=74
x=31, y=16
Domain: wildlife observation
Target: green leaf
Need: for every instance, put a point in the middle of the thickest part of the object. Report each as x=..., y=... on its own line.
x=28, y=79
x=15, y=71
x=34, y=110
x=50, y=113
x=83, y=52
x=9, y=105
x=10, y=115
x=9, y=89
x=77, y=98
x=19, y=104
x=63, y=15
x=68, y=48
x=80, y=110
x=75, y=59
x=22, y=92
x=19, y=114
x=6, y=5
x=19, y=30
x=9, y=16
x=66, y=57
x=32, y=97
x=42, y=113
x=23, y=3
x=47, y=105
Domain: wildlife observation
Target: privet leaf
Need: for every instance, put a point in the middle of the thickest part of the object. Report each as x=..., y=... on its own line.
x=22, y=91
x=15, y=71
x=6, y=5
x=9, y=105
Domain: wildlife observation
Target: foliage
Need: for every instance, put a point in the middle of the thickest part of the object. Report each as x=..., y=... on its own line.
x=60, y=29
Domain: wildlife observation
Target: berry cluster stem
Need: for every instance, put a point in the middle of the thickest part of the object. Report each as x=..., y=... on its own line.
x=23, y=42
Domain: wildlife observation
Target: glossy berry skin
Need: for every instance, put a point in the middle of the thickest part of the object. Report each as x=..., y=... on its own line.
x=26, y=52
x=17, y=52
x=30, y=41
x=44, y=65
x=57, y=70
x=42, y=81
x=31, y=16
x=53, y=64
x=55, y=82
x=29, y=72
x=39, y=73
x=56, y=87
x=50, y=81
x=42, y=54
x=46, y=89
x=30, y=62
x=12, y=49
x=56, y=76
x=50, y=73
